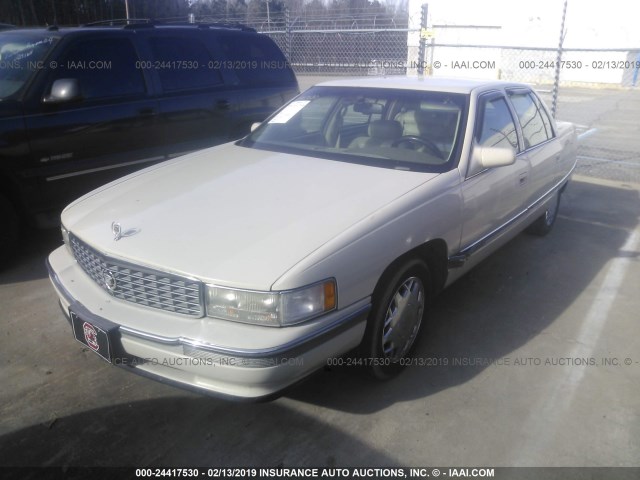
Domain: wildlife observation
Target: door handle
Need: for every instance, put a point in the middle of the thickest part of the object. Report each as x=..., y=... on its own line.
x=222, y=104
x=523, y=178
x=146, y=112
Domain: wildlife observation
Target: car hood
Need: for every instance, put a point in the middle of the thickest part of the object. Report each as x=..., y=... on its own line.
x=232, y=215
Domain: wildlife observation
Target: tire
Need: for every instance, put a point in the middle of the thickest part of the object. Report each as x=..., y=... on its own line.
x=398, y=312
x=10, y=231
x=544, y=224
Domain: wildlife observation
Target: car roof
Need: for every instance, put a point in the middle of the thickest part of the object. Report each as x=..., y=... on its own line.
x=437, y=84
x=136, y=25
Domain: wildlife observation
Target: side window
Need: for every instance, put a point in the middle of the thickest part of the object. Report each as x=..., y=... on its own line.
x=533, y=126
x=255, y=59
x=183, y=63
x=104, y=68
x=496, y=127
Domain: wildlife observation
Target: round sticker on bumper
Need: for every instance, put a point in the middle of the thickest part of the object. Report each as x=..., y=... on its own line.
x=90, y=335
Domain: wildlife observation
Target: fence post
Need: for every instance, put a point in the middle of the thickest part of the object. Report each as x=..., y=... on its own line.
x=421, y=45
x=556, y=82
x=287, y=38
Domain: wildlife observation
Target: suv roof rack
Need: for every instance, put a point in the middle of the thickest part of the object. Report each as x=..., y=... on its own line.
x=151, y=23
x=204, y=24
x=124, y=22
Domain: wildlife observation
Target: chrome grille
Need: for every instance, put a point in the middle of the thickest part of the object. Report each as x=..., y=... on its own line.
x=139, y=285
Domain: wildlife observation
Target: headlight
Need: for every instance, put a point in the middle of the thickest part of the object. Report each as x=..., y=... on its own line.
x=274, y=309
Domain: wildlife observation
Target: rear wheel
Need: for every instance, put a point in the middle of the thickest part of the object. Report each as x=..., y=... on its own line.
x=395, y=320
x=545, y=222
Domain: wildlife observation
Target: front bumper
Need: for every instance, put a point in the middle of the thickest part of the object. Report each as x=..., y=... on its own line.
x=205, y=354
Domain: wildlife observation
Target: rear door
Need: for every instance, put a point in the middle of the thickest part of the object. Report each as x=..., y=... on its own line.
x=540, y=145
x=259, y=73
x=107, y=133
x=195, y=104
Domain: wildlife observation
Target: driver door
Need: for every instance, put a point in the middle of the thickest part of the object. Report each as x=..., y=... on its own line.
x=493, y=196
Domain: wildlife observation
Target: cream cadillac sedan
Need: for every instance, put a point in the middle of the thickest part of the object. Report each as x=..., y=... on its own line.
x=240, y=269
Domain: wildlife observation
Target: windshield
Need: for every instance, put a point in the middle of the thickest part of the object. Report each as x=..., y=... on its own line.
x=20, y=56
x=406, y=129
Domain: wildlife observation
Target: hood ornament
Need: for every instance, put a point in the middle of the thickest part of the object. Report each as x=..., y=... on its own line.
x=118, y=232
x=116, y=229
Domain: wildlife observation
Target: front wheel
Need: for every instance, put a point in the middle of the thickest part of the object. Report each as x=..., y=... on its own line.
x=544, y=223
x=396, y=317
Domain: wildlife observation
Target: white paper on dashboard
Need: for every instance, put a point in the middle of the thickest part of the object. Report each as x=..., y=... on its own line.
x=289, y=111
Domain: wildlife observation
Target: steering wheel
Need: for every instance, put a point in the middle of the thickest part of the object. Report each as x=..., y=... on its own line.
x=421, y=142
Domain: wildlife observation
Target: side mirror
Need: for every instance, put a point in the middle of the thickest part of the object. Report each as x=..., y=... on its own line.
x=64, y=90
x=490, y=157
x=255, y=125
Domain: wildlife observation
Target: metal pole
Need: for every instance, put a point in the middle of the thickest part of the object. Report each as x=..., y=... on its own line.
x=421, y=45
x=556, y=82
x=126, y=7
x=268, y=17
x=287, y=20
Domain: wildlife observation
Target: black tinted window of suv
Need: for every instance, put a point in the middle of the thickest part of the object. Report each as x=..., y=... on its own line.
x=104, y=68
x=183, y=63
x=255, y=59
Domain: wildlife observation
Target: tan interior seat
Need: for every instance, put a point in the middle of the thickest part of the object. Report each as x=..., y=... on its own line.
x=381, y=133
x=433, y=125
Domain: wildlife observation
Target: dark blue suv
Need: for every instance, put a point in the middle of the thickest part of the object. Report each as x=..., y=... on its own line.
x=82, y=106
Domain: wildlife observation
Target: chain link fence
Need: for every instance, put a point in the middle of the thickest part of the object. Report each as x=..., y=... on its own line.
x=598, y=90
x=342, y=43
